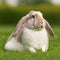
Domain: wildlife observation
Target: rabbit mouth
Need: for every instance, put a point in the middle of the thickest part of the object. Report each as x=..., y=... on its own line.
x=36, y=28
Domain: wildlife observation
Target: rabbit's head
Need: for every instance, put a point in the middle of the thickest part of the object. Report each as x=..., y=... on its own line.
x=37, y=22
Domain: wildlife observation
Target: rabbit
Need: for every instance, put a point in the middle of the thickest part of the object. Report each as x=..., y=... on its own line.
x=30, y=33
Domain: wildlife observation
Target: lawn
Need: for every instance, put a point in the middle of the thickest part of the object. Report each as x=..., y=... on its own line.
x=52, y=54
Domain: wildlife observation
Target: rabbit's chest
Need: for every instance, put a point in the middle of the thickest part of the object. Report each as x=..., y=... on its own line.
x=34, y=38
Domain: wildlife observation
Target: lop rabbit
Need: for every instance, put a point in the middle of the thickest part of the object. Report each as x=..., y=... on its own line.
x=30, y=33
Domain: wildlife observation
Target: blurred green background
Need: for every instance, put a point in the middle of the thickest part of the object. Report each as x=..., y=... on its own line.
x=11, y=11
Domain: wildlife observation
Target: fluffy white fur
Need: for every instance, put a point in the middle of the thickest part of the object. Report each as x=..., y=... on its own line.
x=31, y=40
x=35, y=39
x=13, y=45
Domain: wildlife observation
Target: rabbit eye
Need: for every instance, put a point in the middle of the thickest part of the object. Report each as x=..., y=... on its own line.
x=33, y=16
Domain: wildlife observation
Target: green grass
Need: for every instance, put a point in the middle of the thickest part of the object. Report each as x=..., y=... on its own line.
x=52, y=54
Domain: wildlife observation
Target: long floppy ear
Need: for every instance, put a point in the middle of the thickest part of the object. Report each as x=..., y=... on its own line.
x=19, y=28
x=49, y=29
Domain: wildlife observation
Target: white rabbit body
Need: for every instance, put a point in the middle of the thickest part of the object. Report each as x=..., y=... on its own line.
x=35, y=39
x=31, y=40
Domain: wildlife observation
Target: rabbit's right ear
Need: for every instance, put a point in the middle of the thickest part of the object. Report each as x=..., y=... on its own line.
x=19, y=28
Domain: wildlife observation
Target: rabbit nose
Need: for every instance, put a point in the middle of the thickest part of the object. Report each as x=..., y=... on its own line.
x=41, y=24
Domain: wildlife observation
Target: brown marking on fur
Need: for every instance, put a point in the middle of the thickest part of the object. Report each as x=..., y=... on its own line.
x=39, y=19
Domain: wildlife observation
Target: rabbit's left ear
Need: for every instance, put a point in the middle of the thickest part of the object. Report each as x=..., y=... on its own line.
x=49, y=29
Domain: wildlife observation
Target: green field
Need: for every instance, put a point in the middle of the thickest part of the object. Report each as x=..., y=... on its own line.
x=52, y=54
